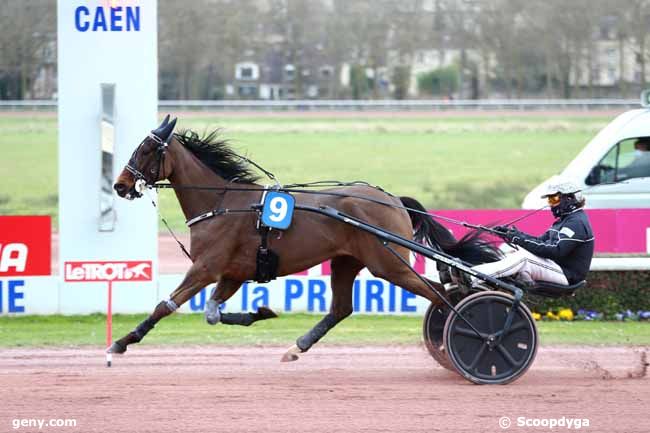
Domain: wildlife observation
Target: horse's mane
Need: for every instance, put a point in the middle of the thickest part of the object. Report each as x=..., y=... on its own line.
x=217, y=155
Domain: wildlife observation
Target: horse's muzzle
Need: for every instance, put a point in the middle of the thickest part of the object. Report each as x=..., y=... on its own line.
x=121, y=189
x=125, y=192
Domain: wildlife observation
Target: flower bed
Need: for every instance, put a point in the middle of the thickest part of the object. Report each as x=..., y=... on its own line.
x=609, y=295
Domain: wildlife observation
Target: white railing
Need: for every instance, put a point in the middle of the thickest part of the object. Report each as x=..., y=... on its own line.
x=28, y=105
x=401, y=105
x=362, y=105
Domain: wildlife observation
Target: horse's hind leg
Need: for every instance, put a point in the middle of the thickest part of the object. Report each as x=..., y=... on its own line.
x=193, y=282
x=221, y=293
x=344, y=271
x=390, y=268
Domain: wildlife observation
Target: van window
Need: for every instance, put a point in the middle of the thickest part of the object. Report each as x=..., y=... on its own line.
x=628, y=159
x=634, y=159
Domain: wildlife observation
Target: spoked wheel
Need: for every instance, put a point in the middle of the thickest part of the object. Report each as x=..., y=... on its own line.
x=493, y=356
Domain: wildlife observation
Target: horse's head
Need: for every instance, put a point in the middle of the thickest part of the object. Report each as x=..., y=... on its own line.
x=147, y=164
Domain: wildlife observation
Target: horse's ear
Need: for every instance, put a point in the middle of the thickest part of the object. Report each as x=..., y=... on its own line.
x=159, y=130
x=167, y=130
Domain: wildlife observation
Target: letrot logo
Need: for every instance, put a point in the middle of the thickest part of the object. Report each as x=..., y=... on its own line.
x=110, y=16
x=108, y=271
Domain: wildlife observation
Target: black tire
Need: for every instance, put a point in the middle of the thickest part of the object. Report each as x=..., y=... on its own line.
x=433, y=328
x=470, y=354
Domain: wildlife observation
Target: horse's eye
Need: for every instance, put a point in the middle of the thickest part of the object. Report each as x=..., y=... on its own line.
x=153, y=170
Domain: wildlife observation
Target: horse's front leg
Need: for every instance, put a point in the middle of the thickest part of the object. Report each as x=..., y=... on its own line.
x=220, y=294
x=195, y=280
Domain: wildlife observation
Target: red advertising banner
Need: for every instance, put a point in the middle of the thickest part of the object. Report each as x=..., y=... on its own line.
x=116, y=271
x=25, y=246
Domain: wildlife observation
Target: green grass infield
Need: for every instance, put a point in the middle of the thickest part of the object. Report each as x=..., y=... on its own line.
x=41, y=331
x=444, y=162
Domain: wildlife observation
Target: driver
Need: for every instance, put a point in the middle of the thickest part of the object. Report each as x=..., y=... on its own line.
x=640, y=165
x=562, y=255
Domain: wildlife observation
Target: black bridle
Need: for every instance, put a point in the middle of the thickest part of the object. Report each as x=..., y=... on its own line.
x=141, y=181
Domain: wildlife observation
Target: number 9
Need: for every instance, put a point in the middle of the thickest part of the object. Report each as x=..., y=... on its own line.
x=278, y=207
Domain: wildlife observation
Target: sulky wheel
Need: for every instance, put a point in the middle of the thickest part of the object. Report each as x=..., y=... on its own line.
x=494, y=357
x=433, y=330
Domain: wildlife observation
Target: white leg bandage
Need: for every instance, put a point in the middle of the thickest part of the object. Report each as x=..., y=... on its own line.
x=171, y=305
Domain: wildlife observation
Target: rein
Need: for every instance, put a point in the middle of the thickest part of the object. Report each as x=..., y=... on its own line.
x=292, y=189
x=142, y=184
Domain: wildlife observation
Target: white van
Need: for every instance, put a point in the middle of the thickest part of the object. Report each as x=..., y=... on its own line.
x=614, y=168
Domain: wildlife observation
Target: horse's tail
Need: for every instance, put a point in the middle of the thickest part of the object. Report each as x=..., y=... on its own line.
x=470, y=248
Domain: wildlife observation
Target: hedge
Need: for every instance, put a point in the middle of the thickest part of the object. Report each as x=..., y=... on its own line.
x=607, y=292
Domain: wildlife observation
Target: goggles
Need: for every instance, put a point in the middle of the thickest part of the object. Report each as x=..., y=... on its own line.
x=553, y=200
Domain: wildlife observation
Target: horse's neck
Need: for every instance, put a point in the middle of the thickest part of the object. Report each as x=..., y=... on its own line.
x=189, y=171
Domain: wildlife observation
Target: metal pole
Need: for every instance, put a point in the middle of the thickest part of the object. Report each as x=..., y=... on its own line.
x=109, y=324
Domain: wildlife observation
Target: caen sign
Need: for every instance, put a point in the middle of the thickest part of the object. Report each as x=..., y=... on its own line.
x=113, y=16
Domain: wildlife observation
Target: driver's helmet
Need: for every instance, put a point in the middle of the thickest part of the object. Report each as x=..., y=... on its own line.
x=561, y=185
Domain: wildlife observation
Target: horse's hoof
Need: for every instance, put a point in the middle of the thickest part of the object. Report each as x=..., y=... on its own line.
x=212, y=313
x=291, y=354
x=264, y=313
x=116, y=348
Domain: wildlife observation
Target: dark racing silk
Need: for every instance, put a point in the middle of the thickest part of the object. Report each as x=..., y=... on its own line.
x=569, y=243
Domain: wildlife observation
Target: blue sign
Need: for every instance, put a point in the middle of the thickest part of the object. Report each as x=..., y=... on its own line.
x=278, y=210
x=379, y=296
x=311, y=294
x=14, y=295
x=116, y=19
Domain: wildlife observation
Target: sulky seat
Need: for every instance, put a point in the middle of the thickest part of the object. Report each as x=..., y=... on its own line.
x=552, y=290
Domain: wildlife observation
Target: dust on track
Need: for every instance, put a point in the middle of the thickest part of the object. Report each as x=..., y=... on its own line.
x=330, y=389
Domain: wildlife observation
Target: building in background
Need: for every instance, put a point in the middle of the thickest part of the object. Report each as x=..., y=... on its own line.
x=364, y=49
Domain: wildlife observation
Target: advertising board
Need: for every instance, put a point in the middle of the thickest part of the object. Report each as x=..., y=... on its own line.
x=25, y=251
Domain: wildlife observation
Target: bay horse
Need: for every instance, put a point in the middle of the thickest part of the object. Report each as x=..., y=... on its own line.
x=223, y=248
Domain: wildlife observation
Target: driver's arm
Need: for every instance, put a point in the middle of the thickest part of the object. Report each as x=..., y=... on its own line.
x=570, y=236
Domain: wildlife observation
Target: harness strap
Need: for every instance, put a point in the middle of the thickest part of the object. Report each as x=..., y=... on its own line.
x=258, y=224
x=162, y=218
x=205, y=216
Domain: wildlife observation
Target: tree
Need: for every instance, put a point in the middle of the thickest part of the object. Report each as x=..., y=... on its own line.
x=440, y=82
x=366, y=23
x=462, y=16
x=499, y=34
x=636, y=19
x=181, y=43
x=406, y=33
x=27, y=27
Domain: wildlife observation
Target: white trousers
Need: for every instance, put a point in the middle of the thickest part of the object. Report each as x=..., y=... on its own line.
x=529, y=267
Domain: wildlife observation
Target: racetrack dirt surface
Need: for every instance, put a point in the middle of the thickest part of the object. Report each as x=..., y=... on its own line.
x=330, y=389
